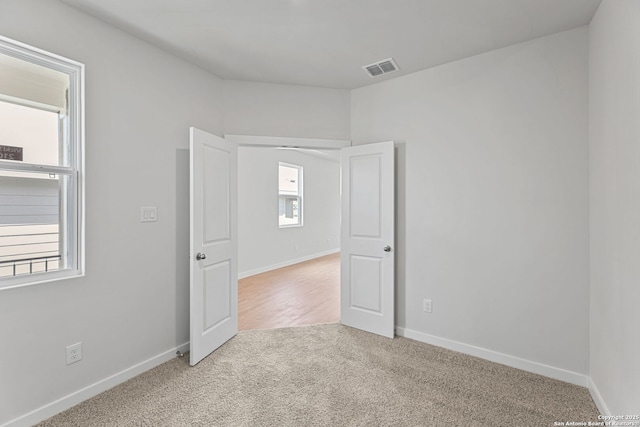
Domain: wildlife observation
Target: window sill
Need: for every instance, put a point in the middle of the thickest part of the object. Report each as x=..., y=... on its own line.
x=290, y=226
x=38, y=278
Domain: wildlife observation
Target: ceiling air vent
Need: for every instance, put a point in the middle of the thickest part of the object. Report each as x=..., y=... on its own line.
x=382, y=67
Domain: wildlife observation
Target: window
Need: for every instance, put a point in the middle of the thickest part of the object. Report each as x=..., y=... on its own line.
x=41, y=166
x=289, y=195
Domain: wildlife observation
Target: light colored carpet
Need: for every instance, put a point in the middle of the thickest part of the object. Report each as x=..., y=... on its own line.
x=332, y=375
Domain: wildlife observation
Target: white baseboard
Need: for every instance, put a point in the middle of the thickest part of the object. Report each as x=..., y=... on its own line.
x=81, y=395
x=494, y=356
x=286, y=263
x=597, y=398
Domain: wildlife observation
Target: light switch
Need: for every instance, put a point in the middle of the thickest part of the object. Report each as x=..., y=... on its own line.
x=149, y=214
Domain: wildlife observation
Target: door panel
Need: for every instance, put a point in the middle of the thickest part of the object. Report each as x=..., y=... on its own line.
x=216, y=294
x=366, y=285
x=364, y=218
x=367, y=263
x=214, y=277
x=216, y=198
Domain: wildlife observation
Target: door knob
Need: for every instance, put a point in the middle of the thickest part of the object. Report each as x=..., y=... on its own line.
x=201, y=256
x=387, y=248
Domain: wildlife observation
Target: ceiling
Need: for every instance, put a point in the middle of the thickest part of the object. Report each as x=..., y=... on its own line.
x=325, y=43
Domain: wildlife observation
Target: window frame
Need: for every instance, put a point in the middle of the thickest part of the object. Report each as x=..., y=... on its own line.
x=299, y=195
x=73, y=200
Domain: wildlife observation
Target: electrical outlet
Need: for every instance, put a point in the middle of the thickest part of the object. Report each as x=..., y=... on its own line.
x=426, y=305
x=74, y=353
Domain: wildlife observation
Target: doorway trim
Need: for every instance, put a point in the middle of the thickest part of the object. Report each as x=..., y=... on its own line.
x=382, y=327
x=288, y=142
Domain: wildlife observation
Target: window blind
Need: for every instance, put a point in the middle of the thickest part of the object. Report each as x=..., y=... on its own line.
x=33, y=86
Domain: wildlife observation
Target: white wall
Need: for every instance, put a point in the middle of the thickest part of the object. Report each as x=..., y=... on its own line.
x=614, y=139
x=133, y=302
x=261, y=243
x=492, y=199
x=267, y=109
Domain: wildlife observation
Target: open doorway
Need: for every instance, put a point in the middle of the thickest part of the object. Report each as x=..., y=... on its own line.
x=366, y=244
x=289, y=271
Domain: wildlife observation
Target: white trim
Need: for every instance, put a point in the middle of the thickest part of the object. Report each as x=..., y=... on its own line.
x=33, y=168
x=333, y=157
x=47, y=59
x=494, y=356
x=285, y=263
x=288, y=142
x=597, y=398
x=92, y=390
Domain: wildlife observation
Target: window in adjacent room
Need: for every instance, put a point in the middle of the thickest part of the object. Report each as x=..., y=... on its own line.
x=290, y=195
x=41, y=166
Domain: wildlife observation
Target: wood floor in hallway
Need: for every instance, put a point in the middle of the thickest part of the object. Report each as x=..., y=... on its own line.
x=307, y=293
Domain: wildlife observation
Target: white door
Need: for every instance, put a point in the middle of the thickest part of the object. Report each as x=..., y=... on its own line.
x=367, y=282
x=214, y=268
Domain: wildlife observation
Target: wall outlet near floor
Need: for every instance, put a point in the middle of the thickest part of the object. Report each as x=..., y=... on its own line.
x=426, y=305
x=74, y=353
